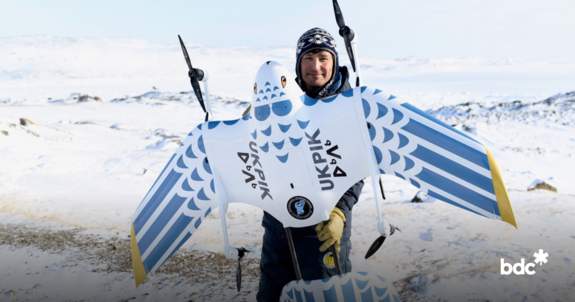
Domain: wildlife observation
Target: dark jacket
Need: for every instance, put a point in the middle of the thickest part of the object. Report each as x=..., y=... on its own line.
x=350, y=198
x=276, y=268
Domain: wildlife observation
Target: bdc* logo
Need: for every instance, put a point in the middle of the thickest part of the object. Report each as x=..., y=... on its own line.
x=521, y=268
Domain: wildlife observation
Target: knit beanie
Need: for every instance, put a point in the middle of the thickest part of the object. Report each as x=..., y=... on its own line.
x=316, y=38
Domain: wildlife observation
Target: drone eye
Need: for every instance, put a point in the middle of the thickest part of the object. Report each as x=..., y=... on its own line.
x=284, y=82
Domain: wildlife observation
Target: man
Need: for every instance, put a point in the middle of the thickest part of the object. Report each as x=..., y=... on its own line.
x=320, y=76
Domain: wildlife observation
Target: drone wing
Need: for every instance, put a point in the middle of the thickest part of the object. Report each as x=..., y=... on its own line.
x=182, y=196
x=433, y=156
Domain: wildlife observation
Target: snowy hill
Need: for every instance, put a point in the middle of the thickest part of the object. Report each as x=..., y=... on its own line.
x=114, y=68
x=559, y=108
x=72, y=173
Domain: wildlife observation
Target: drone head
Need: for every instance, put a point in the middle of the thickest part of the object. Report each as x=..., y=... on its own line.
x=273, y=84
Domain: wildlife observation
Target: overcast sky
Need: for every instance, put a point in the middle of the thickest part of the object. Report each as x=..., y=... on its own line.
x=516, y=29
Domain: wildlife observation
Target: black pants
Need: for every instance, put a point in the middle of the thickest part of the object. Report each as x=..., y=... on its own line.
x=276, y=268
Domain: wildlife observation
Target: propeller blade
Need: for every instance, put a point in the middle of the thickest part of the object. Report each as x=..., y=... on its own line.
x=349, y=51
x=197, y=90
x=338, y=15
x=239, y=275
x=345, y=32
x=193, y=77
x=186, y=56
x=392, y=229
x=375, y=246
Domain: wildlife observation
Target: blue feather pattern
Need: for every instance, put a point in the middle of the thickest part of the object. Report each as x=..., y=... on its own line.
x=346, y=287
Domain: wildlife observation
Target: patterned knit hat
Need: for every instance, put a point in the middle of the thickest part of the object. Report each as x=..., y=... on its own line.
x=316, y=38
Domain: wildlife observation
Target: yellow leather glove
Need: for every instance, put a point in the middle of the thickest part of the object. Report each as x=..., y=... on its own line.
x=331, y=231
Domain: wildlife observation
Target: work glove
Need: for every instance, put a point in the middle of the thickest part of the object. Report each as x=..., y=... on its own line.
x=330, y=231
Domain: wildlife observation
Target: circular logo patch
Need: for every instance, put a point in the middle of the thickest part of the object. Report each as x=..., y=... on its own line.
x=300, y=207
x=328, y=260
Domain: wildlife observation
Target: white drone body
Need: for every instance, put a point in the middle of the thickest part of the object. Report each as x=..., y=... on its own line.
x=294, y=157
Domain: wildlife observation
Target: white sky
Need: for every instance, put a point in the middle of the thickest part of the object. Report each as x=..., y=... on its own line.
x=516, y=29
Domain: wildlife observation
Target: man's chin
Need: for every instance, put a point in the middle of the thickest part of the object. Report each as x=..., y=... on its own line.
x=314, y=84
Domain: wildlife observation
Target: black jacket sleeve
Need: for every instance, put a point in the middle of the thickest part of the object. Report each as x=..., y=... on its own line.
x=346, y=203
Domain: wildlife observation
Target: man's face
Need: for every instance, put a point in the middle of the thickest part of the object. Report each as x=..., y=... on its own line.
x=316, y=68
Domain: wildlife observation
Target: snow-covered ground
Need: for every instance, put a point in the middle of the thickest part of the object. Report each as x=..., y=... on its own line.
x=84, y=167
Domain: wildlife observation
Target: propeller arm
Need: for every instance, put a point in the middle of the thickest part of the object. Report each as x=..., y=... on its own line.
x=207, y=90
x=385, y=229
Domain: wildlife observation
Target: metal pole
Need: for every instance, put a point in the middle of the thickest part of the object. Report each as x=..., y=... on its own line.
x=336, y=260
x=293, y=254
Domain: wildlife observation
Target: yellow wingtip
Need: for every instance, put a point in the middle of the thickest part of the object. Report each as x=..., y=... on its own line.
x=137, y=263
x=501, y=192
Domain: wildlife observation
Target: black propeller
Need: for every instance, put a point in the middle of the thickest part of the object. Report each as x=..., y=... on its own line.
x=375, y=246
x=379, y=241
x=241, y=252
x=345, y=32
x=195, y=75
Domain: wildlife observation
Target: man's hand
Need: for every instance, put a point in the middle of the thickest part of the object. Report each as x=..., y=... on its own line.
x=331, y=231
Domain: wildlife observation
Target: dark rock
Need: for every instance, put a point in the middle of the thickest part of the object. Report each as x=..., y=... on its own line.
x=541, y=185
x=418, y=198
x=26, y=122
x=87, y=98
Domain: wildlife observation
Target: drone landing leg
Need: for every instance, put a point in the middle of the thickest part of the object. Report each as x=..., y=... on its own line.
x=336, y=260
x=293, y=254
